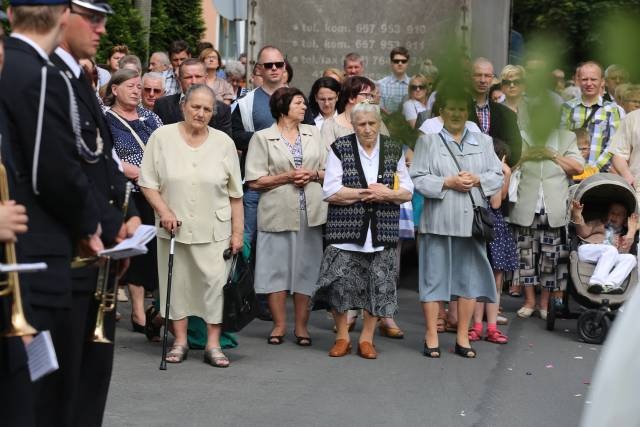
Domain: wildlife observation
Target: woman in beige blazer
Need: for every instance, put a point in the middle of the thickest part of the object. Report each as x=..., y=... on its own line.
x=286, y=163
x=539, y=215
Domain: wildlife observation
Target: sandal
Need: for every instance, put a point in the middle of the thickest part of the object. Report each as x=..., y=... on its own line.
x=467, y=352
x=150, y=330
x=177, y=353
x=475, y=335
x=431, y=352
x=451, y=327
x=303, y=341
x=514, y=291
x=496, y=336
x=216, y=358
x=275, y=339
x=441, y=325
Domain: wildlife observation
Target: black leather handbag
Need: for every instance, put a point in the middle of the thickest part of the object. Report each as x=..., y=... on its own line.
x=482, y=226
x=240, y=304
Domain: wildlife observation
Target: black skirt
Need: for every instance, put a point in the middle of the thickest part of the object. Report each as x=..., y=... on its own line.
x=143, y=270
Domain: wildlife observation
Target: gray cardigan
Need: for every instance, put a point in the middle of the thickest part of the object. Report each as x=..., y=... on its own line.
x=448, y=212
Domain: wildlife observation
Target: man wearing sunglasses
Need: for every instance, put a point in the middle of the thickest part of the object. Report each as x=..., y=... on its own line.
x=89, y=366
x=394, y=87
x=152, y=89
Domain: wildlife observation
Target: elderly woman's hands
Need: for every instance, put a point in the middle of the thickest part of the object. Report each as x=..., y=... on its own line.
x=236, y=243
x=301, y=177
x=168, y=221
x=376, y=193
x=463, y=182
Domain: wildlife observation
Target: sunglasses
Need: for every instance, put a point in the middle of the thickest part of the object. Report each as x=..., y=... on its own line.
x=270, y=65
x=417, y=87
x=152, y=90
x=514, y=82
x=93, y=18
x=399, y=61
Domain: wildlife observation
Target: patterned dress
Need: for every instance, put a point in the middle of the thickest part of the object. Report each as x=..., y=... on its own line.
x=503, y=252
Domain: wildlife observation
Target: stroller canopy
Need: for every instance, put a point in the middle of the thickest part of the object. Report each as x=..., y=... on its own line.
x=597, y=192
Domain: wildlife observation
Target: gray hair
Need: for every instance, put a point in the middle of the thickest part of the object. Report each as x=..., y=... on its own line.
x=234, y=68
x=118, y=78
x=153, y=76
x=615, y=67
x=163, y=58
x=197, y=88
x=365, y=107
x=132, y=60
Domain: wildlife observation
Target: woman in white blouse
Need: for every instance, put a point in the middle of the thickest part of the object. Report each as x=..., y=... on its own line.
x=190, y=175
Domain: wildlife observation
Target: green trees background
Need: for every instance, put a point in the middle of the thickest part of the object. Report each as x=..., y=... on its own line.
x=170, y=20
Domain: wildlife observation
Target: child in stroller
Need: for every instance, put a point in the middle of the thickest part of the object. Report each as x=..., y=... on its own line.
x=606, y=243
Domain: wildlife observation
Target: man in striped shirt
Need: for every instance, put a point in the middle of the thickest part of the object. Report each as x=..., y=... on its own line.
x=589, y=111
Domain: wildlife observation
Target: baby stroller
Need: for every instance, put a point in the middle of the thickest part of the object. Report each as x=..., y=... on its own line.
x=596, y=193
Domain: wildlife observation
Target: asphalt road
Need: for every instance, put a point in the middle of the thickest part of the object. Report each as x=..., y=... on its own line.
x=539, y=378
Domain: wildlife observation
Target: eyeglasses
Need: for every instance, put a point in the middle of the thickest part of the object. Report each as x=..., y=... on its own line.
x=367, y=95
x=514, y=82
x=94, y=19
x=417, y=87
x=399, y=61
x=326, y=100
x=270, y=65
x=152, y=90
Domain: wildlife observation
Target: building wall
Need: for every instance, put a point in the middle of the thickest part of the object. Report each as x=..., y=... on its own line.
x=211, y=19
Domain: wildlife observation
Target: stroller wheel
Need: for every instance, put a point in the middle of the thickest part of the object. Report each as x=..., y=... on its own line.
x=593, y=326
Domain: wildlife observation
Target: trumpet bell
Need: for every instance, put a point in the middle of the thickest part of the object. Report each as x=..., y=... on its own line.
x=19, y=326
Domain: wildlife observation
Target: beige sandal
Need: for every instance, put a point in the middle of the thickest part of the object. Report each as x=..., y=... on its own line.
x=177, y=353
x=215, y=357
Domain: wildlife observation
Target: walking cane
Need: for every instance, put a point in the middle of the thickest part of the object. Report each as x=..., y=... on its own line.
x=172, y=244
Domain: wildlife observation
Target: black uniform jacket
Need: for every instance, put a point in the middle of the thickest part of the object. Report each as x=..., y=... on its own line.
x=108, y=182
x=62, y=208
x=169, y=111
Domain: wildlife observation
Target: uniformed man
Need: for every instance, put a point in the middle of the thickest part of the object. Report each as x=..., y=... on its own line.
x=44, y=133
x=91, y=363
x=15, y=384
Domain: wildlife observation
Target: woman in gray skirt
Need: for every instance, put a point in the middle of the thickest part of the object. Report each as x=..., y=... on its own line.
x=286, y=163
x=366, y=180
x=453, y=264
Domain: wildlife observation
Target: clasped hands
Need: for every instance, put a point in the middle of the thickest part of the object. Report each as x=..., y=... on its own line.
x=375, y=193
x=463, y=182
x=538, y=154
x=300, y=177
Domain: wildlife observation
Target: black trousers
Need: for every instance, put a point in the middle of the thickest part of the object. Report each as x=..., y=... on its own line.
x=16, y=390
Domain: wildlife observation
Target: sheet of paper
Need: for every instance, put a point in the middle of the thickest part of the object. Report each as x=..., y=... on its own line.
x=42, y=356
x=134, y=245
x=23, y=268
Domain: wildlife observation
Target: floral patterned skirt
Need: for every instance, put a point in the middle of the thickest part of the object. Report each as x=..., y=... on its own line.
x=357, y=280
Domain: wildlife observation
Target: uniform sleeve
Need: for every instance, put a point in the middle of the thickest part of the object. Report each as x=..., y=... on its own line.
x=257, y=161
x=149, y=176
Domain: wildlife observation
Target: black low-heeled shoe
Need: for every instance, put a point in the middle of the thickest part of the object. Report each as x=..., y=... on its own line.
x=429, y=351
x=275, y=339
x=465, y=351
x=150, y=330
x=137, y=327
x=303, y=341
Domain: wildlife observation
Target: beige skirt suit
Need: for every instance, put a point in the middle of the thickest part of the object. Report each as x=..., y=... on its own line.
x=196, y=184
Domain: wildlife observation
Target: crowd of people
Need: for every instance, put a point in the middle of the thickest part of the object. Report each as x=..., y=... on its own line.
x=318, y=190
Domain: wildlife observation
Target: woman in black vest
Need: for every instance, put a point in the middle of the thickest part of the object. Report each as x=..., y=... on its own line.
x=366, y=180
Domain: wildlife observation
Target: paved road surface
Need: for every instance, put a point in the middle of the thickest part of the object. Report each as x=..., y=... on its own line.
x=539, y=379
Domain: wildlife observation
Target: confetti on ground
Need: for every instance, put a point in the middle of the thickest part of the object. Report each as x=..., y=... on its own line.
x=509, y=369
x=529, y=373
x=587, y=381
x=578, y=357
x=593, y=349
x=566, y=330
x=549, y=365
x=530, y=344
x=588, y=402
x=578, y=395
x=463, y=414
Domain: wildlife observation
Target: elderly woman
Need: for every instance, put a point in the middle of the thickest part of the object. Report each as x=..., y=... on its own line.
x=539, y=217
x=419, y=90
x=453, y=265
x=235, y=72
x=323, y=99
x=222, y=88
x=131, y=126
x=628, y=97
x=191, y=177
x=286, y=163
x=512, y=85
x=366, y=180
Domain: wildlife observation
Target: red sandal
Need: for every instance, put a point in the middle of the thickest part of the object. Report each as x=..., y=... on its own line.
x=475, y=335
x=496, y=337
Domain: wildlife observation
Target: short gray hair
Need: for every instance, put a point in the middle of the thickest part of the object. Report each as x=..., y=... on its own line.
x=163, y=58
x=234, y=68
x=365, y=107
x=118, y=78
x=197, y=88
x=153, y=76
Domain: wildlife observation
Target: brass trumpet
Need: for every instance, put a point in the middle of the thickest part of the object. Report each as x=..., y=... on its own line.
x=19, y=326
x=105, y=294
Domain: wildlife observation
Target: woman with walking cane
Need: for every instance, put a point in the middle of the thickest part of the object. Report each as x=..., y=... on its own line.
x=191, y=172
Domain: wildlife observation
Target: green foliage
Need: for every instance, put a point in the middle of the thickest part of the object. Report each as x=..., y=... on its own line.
x=174, y=20
x=579, y=22
x=400, y=129
x=123, y=27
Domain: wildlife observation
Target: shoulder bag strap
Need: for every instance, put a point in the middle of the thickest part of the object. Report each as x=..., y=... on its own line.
x=460, y=170
x=133, y=132
x=594, y=110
